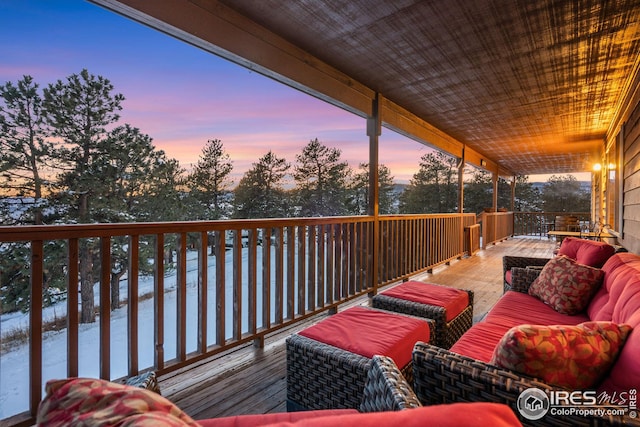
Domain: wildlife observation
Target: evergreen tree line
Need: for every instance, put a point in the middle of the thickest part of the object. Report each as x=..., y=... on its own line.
x=65, y=158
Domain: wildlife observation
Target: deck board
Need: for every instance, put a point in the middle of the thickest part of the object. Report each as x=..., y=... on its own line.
x=249, y=380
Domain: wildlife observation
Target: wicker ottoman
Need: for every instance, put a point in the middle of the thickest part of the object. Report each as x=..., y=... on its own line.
x=328, y=363
x=450, y=308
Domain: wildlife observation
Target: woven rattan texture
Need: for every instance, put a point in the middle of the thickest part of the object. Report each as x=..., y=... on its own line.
x=445, y=377
x=509, y=262
x=522, y=278
x=386, y=388
x=445, y=333
x=321, y=376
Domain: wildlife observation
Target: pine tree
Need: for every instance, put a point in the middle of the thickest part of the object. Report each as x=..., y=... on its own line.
x=24, y=149
x=79, y=111
x=127, y=165
x=387, y=197
x=322, y=181
x=527, y=196
x=565, y=194
x=260, y=192
x=478, y=192
x=209, y=182
x=434, y=188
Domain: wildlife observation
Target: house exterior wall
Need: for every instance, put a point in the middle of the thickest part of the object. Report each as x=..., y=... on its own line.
x=630, y=192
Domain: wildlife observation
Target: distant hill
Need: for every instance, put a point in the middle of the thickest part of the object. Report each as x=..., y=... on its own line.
x=584, y=185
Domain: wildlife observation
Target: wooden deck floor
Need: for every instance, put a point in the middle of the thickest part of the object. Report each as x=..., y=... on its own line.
x=249, y=380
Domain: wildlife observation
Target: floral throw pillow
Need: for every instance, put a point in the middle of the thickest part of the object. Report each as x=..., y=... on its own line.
x=566, y=286
x=93, y=402
x=573, y=357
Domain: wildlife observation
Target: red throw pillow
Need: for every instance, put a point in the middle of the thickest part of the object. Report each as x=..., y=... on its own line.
x=566, y=286
x=93, y=402
x=587, y=252
x=573, y=357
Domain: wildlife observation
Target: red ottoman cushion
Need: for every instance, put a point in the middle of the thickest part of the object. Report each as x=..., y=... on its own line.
x=369, y=332
x=451, y=299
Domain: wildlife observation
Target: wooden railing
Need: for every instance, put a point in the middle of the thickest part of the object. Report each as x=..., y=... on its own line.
x=472, y=239
x=539, y=223
x=215, y=285
x=496, y=226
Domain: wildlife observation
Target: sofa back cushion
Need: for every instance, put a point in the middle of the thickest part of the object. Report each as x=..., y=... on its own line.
x=625, y=374
x=618, y=300
x=620, y=270
x=587, y=252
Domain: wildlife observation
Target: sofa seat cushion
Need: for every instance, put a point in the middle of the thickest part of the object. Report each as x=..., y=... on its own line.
x=480, y=341
x=517, y=308
x=588, y=252
x=572, y=357
x=566, y=285
x=477, y=414
x=368, y=332
x=453, y=300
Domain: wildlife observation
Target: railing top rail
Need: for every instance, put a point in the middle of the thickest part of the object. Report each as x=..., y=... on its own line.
x=67, y=231
x=551, y=213
x=433, y=215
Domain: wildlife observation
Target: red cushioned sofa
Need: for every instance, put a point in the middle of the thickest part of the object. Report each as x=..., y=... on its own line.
x=388, y=401
x=472, y=369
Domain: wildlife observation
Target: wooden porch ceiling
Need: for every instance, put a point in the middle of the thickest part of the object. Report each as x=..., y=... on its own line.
x=533, y=86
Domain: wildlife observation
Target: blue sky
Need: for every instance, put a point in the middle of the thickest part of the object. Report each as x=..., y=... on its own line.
x=180, y=95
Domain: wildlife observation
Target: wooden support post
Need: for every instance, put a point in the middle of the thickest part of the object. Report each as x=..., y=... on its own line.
x=374, y=131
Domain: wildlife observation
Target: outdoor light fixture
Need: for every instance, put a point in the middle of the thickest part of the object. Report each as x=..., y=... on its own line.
x=483, y=162
x=597, y=167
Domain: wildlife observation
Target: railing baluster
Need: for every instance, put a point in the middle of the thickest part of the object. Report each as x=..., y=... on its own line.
x=35, y=323
x=253, y=281
x=72, y=308
x=321, y=256
x=279, y=276
x=221, y=250
x=181, y=299
x=203, y=290
x=158, y=298
x=105, y=308
x=311, y=262
x=302, y=273
x=337, y=267
x=353, y=254
x=345, y=260
x=132, y=304
x=291, y=273
x=237, y=285
x=266, y=278
x=330, y=275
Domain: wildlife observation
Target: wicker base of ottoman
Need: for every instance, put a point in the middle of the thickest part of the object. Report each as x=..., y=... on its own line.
x=328, y=363
x=445, y=333
x=321, y=376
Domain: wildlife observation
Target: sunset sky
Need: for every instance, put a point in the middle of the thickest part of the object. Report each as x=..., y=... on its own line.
x=180, y=95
